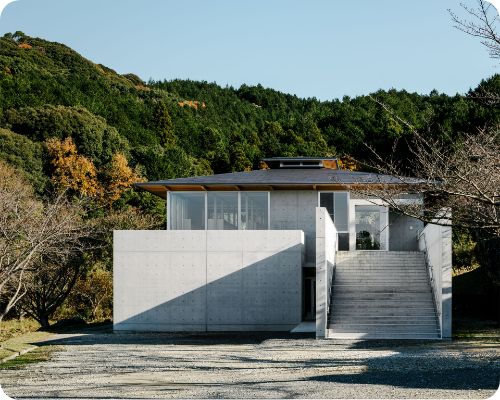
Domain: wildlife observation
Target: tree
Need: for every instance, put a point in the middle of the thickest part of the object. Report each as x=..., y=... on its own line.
x=482, y=25
x=164, y=125
x=32, y=230
x=463, y=177
x=48, y=284
x=118, y=178
x=71, y=170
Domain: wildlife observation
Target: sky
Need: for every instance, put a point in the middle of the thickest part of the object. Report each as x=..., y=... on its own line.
x=312, y=48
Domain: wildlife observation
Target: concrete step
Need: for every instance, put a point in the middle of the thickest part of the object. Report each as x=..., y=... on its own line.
x=376, y=320
x=372, y=306
x=392, y=313
x=369, y=335
x=382, y=267
x=376, y=296
x=375, y=287
x=380, y=281
x=384, y=328
x=382, y=295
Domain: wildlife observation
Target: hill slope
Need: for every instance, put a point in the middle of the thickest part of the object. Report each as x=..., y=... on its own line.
x=180, y=128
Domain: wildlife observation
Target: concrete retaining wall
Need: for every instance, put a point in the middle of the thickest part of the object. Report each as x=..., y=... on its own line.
x=326, y=246
x=435, y=240
x=207, y=280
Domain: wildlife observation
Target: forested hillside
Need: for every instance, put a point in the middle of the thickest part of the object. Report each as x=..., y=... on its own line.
x=71, y=124
x=178, y=128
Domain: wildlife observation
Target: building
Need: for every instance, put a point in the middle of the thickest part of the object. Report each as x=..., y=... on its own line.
x=269, y=249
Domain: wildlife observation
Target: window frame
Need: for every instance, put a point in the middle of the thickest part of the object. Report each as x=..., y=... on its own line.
x=169, y=211
x=348, y=206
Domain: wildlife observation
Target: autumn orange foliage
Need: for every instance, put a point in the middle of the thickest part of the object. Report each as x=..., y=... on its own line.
x=120, y=177
x=72, y=171
x=79, y=174
x=193, y=104
x=348, y=163
x=25, y=45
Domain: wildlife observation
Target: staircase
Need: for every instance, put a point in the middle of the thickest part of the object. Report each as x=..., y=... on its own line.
x=381, y=295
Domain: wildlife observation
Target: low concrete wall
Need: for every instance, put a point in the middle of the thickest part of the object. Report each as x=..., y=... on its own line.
x=207, y=280
x=435, y=240
x=326, y=246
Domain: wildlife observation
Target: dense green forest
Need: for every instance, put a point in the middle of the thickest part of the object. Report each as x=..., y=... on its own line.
x=179, y=128
x=166, y=129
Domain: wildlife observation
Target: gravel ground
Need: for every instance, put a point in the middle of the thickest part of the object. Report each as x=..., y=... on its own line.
x=100, y=364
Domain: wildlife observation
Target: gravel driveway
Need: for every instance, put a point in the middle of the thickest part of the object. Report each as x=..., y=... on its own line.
x=101, y=364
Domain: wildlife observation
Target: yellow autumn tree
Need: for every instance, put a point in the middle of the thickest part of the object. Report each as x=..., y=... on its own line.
x=348, y=163
x=119, y=177
x=71, y=170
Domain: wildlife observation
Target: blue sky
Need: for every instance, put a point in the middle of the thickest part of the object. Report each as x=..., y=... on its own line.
x=311, y=48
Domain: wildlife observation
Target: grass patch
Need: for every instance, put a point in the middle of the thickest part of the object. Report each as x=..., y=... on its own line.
x=42, y=353
x=19, y=336
x=476, y=329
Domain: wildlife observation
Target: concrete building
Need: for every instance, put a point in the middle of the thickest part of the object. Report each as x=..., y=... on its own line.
x=270, y=249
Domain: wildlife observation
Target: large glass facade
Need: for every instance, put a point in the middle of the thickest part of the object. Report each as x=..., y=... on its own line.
x=187, y=211
x=224, y=210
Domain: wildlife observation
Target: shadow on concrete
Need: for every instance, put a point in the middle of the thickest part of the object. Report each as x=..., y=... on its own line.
x=265, y=295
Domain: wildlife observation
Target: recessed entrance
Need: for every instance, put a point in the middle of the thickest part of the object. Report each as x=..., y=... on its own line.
x=369, y=226
x=309, y=294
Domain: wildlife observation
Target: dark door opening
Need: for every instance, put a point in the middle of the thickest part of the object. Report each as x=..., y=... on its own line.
x=310, y=297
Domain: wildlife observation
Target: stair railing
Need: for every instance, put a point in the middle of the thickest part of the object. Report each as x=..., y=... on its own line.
x=432, y=281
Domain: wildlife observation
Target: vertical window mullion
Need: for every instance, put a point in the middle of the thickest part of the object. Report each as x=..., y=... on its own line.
x=268, y=210
x=239, y=210
x=206, y=211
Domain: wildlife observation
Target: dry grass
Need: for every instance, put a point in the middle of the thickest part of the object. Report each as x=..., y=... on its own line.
x=17, y=327
x=19, y=335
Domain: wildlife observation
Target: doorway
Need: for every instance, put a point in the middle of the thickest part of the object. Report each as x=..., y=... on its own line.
x=309, y=295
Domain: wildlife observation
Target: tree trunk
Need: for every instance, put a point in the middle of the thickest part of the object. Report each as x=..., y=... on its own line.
x=43, y=320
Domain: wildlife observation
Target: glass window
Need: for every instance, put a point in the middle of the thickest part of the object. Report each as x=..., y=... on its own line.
x=367, y=228
x=222, y=210
x=326, y=200
x=337, y=206
x=341, y=211
x=187, y=211
x=254, y=210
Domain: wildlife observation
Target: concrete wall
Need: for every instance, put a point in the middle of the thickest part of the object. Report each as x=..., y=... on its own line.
x=295, y=209
x=207, y=280
x=435, y=240
x=326, y=237
x=403, y=232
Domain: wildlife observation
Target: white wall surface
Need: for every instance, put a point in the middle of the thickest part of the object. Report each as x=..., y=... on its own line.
x=207, y=280
x=326, y=236
x=436, y=241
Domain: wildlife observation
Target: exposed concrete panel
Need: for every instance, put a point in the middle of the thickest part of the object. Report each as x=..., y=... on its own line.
x=295, y=209
x=326, y=235
x=435, y=240
x=207, y=280
x=403, y=232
